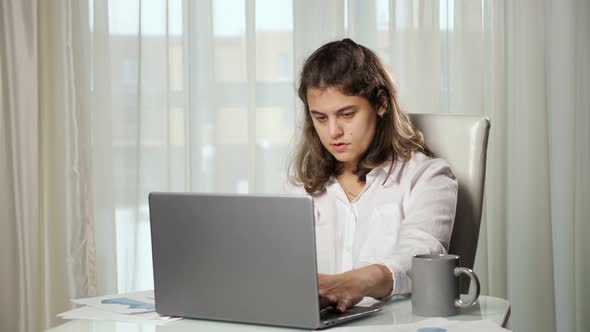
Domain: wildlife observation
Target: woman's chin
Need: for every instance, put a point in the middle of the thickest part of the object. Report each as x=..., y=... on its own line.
x=342, y=158
x=346, y=160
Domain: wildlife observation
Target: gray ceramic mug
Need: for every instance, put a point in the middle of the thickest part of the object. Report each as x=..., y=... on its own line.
x=435, y=285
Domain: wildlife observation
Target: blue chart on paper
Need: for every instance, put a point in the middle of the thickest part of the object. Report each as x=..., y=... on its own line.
x=133, y=304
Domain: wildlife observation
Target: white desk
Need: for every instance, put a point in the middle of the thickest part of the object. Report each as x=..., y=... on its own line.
x=393, y=313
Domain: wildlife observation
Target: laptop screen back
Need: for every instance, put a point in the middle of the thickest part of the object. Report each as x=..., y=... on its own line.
x=243, y=258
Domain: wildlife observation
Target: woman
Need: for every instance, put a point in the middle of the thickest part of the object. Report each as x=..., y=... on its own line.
x=379, y=195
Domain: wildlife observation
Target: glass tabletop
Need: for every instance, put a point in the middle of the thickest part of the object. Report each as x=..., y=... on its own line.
x=393, y=313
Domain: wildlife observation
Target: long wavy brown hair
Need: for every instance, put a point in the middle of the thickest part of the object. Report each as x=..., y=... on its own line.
x=356, y=71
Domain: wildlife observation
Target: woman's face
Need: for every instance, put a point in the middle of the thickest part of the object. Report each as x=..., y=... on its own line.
x=345, y=124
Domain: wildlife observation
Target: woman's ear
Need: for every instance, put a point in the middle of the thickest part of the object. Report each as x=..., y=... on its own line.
x=382, y=104
x=382, y=109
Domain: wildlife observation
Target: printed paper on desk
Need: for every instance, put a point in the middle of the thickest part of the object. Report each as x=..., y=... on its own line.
x=128, y=304
x=94, y=314
x=130, y=307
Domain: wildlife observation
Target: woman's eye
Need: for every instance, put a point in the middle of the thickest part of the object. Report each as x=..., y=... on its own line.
x=348, y=115
x=320, y=118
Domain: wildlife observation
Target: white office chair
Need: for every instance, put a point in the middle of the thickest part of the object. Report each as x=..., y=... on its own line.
x=462, y=140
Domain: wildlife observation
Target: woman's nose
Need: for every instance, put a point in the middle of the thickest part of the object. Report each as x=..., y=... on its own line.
x=334, y=128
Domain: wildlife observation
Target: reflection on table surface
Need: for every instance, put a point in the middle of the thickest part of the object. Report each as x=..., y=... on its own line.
x=398, y=311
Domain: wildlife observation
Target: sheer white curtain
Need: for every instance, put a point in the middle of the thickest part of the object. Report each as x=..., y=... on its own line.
x=46, y=225
x=200, y=96
x=196, y=99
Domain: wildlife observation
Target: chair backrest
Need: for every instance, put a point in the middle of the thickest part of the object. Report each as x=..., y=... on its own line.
x=461, y=140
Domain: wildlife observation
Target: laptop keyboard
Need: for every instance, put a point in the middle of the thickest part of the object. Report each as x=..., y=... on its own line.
x=329, y=313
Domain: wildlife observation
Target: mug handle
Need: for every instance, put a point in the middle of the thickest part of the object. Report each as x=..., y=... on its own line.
x=473, y=276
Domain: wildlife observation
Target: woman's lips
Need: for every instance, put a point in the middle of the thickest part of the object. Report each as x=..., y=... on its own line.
x=340, y=146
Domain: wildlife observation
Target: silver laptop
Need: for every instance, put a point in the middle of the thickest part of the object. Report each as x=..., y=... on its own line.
x=239, y=258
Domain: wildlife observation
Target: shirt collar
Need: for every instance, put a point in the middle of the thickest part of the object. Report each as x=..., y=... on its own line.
x=391, y=173
x=333, y=186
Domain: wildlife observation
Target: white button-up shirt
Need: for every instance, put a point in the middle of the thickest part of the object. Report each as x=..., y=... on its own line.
x=396, y=216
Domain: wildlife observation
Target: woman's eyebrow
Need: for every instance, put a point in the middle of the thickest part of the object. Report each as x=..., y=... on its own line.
x=314, y=112
x=346, y=108
x=340, y=110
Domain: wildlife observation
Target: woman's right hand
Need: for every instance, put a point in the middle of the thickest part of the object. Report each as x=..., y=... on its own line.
x=344, y=290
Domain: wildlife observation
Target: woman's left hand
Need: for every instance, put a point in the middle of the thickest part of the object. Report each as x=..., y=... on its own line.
x=344, y=290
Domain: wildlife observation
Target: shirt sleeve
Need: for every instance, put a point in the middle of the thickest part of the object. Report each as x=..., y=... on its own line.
x=428, y=220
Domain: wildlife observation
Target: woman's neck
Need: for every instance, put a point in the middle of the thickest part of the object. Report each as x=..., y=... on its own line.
x=350, y=184
x=348, y=169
